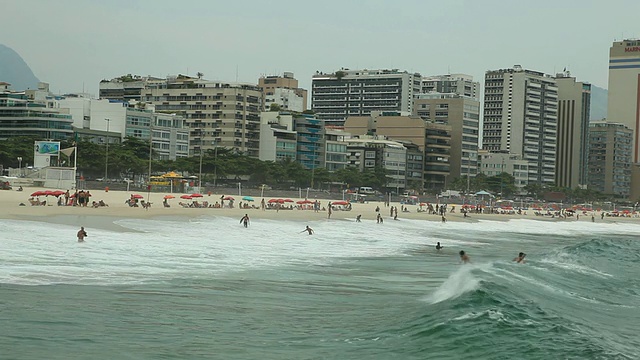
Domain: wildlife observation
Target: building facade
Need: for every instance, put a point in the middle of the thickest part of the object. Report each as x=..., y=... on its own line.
x=495, y=163
x=462, y=113
x=610, y=158
x=216, y=113
x=461, y=84
x=521, y=117
x=111, y=121
x=278, y=139
x=624, y=97
x=368, y=152
x=574, y=101
x=20, y=116
x=283, y=91
x=347, y=93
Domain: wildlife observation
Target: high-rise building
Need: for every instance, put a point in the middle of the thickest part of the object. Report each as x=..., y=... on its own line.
x=217, y=113
x=521, y=117
x=367, y=152
x=283, y=91
x=461, y=84
x=574, y=101
x=126, y=87
x=624, y=98
x=347, y=93
x=610, y=158
x=462, y=113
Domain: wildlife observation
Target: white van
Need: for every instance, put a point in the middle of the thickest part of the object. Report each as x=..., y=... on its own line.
x=366, y=190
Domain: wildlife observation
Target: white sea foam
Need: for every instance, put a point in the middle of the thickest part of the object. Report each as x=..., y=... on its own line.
x=459, y=282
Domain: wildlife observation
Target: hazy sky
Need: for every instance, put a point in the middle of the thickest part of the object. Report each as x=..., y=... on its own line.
x=71, y=42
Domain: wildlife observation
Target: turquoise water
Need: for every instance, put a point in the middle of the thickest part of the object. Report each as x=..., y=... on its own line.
x=210, y=289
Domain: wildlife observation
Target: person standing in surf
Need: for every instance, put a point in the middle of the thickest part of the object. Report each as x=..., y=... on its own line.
x=81, y=234
x=520, y=258
x=308, y=229
x=245, y=220
x=438, y=246
x=464, y=257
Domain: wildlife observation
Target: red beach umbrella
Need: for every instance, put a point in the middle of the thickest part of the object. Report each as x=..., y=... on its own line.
x=228, y=198
x=169, y=197
x=339, y=203
x=38, y=193
x=137, y=196
x=287, y=200
x=301, y=202
x=196, y=195
x=188, y=197
x=58, y=193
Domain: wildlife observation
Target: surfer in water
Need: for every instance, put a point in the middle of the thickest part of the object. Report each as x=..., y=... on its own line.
x=81, y=234
x=308, y=229
x=245, y=220
x=438, y=246
x=520, y=258
x=464, y=257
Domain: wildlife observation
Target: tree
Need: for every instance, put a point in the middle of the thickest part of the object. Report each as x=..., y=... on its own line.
x=274, y=107
x=340, y=74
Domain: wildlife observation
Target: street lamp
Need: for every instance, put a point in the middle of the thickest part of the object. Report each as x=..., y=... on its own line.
x=106, y=158
x=20, y=165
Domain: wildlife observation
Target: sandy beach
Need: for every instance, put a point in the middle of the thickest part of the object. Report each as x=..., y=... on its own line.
x=104, y=217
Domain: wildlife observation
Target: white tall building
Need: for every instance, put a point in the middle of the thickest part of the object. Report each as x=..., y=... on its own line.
x=521, y=117
x=347, y=93
x=624, y=98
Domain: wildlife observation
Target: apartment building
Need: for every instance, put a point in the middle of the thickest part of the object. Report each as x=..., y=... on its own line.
x=367, y=152
x=217, y=113
x=284, y=92
x=574, y=101
x=521, y=117
x=462, y=114
x=610, y=158
x=21, y=116
x=624, y=97
x=461, y=84
x=345, y=93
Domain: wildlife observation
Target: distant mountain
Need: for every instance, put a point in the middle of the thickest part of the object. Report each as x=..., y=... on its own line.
x=598, y=103
x=15, y=71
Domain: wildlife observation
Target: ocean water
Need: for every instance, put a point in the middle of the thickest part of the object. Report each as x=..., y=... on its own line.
x=208, y=288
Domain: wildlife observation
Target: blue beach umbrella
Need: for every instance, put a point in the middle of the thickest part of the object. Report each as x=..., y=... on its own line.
x=247, y=198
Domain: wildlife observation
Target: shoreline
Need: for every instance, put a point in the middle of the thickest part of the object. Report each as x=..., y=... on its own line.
x=106, y=217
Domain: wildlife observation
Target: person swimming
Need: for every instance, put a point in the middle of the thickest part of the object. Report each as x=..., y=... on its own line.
x=464, y=257
x=438, y=246
x=308, y=229
x=520, y=258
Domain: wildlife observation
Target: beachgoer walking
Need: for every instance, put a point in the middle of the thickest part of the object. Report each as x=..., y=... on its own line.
x=81, y=234
x=358, y=218
x=245, y=220
x=329, y=211
x=444, y=219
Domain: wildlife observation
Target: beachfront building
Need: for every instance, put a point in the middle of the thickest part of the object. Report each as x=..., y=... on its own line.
x=310, y=136
x=284, y=92
x=433, y=140
x=21, y=116
x=574, y=101
x=521, y=117
x=345, y=93
x=125, y=88
x=624, y=98
x=461, y=84
x=278, y=139
x=462, y=114
x=217, y=113
x=367, y=152
x=610, y=158
x=335, y=149
x=496, y=163
x=102, y=121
